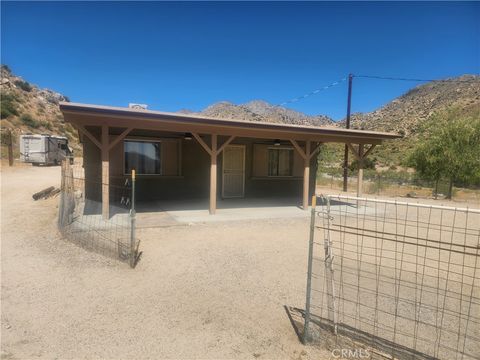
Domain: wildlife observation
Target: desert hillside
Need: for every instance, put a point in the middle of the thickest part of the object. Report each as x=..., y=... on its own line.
x=406, y=113
x=26, y=108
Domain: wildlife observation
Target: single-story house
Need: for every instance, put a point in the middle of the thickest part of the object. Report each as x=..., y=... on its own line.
x=186, y=156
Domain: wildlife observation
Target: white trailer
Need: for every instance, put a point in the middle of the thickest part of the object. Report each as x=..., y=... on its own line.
x=44, y=149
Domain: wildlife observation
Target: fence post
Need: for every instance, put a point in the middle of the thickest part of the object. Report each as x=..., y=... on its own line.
x=62, y=196
x=132, y=224
x=332, y=311
x=10, y=148
x=306, y=335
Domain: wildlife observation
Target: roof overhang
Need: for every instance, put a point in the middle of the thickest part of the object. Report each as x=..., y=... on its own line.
x=95, y=115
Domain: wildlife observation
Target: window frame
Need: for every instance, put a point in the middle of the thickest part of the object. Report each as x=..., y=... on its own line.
x=292, y=161
x=142, y=140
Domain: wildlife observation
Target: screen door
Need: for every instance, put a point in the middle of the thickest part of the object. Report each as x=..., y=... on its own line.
x=233, y=179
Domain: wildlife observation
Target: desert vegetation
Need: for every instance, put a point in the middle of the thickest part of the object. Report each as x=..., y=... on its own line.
x=450, y=149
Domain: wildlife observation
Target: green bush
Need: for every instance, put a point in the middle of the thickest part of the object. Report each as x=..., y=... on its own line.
x=8, y=106
x=46, y=125
x=29, y=121
x=396, y=177
x=330, y=171
x=5, y=137
x=10, y=97
x=368, y=163
x=4, y=113
x=25, y=86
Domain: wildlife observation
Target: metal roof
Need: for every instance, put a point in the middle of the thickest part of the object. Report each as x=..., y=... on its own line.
x=76, y=112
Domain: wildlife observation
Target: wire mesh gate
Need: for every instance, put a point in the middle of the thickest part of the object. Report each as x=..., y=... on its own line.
x=397, y=279
x=80, y=218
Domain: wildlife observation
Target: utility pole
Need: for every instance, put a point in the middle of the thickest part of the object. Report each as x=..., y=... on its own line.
x=345, y=158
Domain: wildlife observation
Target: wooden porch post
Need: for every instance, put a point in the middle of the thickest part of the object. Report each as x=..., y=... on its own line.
x=213, y=175
x=214, y=151
x=105, y=146
x=105, y=174
x=307, y=156
x=360, y=170
x=306, y=175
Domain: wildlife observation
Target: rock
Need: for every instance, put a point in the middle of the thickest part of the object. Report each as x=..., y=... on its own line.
x=51, y=96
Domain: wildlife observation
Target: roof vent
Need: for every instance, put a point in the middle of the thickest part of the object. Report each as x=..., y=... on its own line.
x=138, y=106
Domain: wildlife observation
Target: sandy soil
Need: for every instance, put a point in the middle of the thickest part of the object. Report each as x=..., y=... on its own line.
x=200, y=291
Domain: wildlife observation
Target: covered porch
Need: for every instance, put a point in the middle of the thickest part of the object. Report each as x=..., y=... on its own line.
x=194, y=150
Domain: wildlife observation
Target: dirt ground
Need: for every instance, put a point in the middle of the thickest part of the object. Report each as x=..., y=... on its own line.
x=202, y=291
x=208, y=290
x=403, y=274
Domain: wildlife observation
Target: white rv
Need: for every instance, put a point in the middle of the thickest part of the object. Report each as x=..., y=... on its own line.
x=44, y=149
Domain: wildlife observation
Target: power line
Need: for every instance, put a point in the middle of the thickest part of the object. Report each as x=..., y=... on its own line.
x=413, y=79
x=335, y=83
x=314, y=92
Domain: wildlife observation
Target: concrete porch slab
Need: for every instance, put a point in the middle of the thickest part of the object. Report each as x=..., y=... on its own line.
x=170, y=213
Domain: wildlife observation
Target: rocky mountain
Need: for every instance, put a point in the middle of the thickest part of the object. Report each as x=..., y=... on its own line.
x=26, y=108
x=402, y=115
x=259, y=110
x=406, y=113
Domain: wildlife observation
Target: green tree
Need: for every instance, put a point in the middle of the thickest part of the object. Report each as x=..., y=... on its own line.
x=450, y=148
x=329, y=158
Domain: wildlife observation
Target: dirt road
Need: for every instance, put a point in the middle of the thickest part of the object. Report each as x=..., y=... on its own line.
x=200, y=291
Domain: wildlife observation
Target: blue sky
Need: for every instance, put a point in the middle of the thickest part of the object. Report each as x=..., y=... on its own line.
x=189, y=55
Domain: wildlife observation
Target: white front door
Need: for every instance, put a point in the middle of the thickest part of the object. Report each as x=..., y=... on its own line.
x=233, y=179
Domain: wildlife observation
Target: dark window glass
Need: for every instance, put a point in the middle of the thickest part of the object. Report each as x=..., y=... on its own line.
x=143, y=156
x=280, y=162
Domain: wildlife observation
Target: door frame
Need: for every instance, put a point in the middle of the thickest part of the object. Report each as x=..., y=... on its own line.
x=243, y=173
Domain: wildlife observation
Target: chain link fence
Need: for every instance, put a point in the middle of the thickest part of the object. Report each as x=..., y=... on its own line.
x=396, y=279
x=80, y=218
